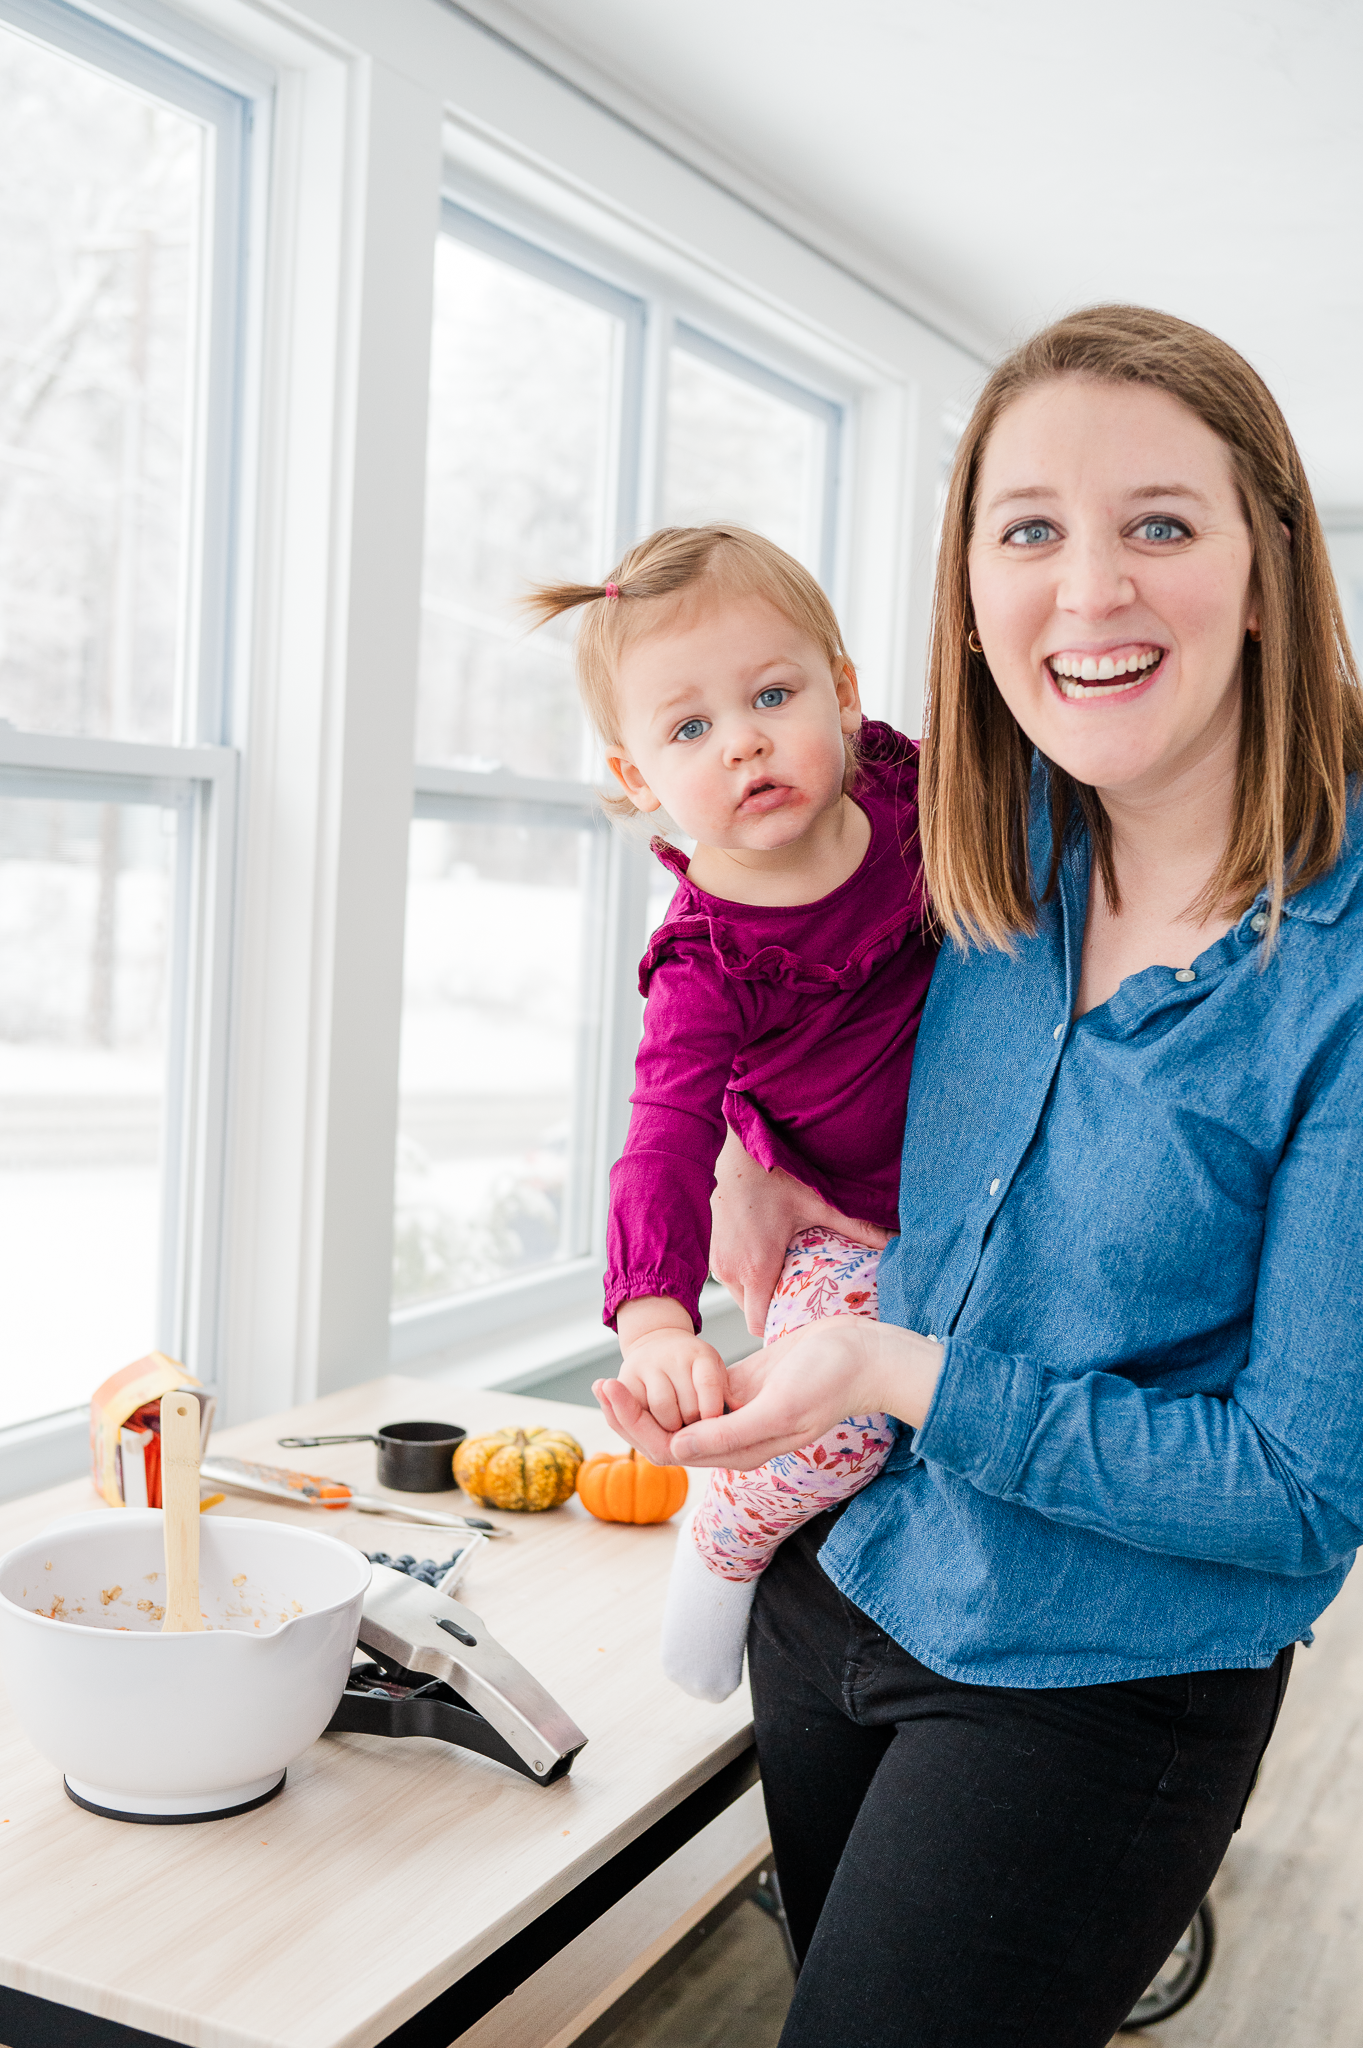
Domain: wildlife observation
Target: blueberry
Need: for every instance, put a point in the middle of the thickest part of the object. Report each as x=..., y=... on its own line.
x=405, y=1562
x=379, y=1557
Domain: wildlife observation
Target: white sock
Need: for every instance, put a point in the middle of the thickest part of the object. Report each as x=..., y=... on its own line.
x=705, y=1624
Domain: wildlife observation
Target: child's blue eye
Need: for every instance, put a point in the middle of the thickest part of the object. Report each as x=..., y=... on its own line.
x=692, y=729
x=767, y=700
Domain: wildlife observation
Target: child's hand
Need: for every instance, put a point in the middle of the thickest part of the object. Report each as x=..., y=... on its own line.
x=678, y=1377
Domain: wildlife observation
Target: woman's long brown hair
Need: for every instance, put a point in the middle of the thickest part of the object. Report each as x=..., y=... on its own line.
x=1301, y=732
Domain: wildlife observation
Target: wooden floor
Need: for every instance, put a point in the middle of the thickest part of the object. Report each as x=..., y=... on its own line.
x=1288, y=1970
x=732, y=1993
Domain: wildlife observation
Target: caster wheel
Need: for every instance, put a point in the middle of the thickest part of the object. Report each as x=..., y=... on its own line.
x=1180, y=1978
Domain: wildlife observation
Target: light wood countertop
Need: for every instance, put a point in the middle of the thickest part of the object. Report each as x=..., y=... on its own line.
x=385, y=1870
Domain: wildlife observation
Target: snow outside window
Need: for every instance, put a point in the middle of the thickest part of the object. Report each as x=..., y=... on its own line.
x=495, y=1094
x=118, y=245
x=86, y=917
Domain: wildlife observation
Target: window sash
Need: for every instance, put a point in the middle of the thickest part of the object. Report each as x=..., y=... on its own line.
x=200, y=783
x=828, y=412
x=614, y=900
x=199, y=776
x=618, y=918
x=218, y=374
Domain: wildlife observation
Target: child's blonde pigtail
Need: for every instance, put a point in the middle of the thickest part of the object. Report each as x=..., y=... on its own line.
x=545, y=601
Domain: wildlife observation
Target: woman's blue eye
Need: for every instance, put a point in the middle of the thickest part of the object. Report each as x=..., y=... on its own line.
x=767, y=700
x=1159, y=528
x=692, y=729
x=1033, y=533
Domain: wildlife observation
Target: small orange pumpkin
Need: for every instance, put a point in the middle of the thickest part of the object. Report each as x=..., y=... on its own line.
x=619, y=1487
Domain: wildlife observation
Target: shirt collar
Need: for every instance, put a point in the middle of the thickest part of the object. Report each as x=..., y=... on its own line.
x=1326, y=899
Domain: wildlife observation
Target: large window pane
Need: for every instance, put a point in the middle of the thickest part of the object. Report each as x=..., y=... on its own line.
x=739, y=452
x=85, y=934
x=519, y=488
x=497, y=1036
x=99, y=233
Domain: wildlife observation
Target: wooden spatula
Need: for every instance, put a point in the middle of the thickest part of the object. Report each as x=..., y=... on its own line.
x=180, y=1510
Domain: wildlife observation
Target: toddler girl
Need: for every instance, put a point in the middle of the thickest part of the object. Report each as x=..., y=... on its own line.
x=783, y=993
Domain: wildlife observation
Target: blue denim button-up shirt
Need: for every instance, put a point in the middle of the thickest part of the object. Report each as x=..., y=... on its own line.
x=1141, y=1237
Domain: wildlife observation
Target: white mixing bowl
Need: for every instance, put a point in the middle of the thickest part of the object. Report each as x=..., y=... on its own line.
x=156, y=1727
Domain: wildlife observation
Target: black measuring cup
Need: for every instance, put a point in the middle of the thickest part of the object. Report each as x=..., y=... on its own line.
x=414, y=1457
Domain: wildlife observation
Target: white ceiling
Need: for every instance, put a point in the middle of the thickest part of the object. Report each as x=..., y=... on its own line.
x=1013, y=161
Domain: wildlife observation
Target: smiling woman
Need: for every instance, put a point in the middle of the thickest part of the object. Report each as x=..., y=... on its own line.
x=1150, y=609
x=1011, y=1697
x=1171, y=517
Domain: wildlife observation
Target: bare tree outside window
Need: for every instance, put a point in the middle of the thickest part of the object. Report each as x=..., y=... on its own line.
x=540, y=405
x=520, y=447
x=520, y=442
x=99, y=213
x=737, y=452
x=100, y=241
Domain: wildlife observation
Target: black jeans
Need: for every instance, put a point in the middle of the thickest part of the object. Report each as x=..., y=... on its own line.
x=970, y=1866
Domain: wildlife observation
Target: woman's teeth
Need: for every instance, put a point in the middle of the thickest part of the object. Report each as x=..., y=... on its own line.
x=1068, y=669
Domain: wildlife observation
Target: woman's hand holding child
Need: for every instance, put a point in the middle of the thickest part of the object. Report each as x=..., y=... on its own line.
x=789, y=1394
x=756, y=1212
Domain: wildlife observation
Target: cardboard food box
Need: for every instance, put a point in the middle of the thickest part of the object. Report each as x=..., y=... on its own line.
x=125, y=1428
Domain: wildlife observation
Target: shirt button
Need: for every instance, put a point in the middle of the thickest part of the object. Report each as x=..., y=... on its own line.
x=1057, y=1031
x=1184, y=974
x=993, y=1187
x=1259, y=921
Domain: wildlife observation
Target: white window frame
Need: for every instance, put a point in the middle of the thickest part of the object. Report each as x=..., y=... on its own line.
x=213, y=458
x=196, y=777
x=831, y=413
x=653, y=323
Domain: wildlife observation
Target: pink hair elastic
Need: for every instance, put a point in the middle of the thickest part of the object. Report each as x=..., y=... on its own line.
x=611, y=589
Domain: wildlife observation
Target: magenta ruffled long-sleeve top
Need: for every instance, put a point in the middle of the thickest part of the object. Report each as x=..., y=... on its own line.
x=794, y=1026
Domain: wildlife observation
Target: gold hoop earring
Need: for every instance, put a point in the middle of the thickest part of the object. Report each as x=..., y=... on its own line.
x=972, y=641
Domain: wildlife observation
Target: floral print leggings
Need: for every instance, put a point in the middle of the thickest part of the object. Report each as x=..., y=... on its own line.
x=745, y=1515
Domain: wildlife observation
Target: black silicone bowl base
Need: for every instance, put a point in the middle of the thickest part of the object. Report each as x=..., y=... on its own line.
x=176, y=1820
